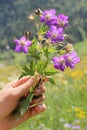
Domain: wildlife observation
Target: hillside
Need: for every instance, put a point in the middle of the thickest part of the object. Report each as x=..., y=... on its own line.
x=81, y=48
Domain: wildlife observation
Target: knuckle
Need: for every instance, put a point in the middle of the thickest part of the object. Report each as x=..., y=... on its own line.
x=43, y=97
x=44, y=89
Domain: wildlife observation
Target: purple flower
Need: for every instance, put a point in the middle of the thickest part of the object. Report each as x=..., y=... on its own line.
x=71, y=59
x=22, y=45
x=61, y=21
x=76, y=127
x=67, y=60
x=55, y=34
x=67, y=125
x=48, y=16
x=59, y=63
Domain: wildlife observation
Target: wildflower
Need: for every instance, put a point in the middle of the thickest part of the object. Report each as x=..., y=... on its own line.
x=76, y=127
x=81, y=115
x=77, y=109
x=76, y=73
x=66, y=125
x=22, y=45
x=55, y=34
x=69, y=110
x=71, y=59
x=61, y=21
x=59, y=63
x=48, y=16
x=61, y=120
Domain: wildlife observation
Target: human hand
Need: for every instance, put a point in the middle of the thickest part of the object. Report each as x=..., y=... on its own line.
x=9, y=99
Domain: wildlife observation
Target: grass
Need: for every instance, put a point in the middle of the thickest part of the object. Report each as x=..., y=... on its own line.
x=81, y=47
x=66, y=102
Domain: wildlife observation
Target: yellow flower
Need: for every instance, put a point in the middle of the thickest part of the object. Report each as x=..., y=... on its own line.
x=77, y=74
x=77, y=109
x=69, y=110
x=81, y=115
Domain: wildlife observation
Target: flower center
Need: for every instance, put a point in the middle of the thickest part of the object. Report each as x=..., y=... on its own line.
x=22, y=43
x=47, y=17
x=54, y=35
x=61, y=23
x=69, y=58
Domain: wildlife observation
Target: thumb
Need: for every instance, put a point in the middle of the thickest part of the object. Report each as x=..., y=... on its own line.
x=25, y=87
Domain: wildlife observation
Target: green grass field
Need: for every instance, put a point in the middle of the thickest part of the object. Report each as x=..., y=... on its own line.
x=66, y=102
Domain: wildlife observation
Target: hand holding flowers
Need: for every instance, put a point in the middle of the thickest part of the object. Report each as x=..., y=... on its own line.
x=48, y=47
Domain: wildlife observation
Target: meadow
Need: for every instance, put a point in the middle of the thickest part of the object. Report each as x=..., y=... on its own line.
x=66, y=101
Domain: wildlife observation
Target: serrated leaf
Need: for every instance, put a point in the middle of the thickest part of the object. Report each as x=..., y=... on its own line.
x=41, y=66
x=24, y=105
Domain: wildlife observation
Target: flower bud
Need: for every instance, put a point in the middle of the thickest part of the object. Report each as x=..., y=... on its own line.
x=27, y=34
x=68, y=48
x=31, y=17
x=40, y=37
x=66, y=36
x=38, y=12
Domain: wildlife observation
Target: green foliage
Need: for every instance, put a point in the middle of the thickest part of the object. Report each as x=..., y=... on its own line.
x=50, y=71
x=52, y=81
x=23, y=105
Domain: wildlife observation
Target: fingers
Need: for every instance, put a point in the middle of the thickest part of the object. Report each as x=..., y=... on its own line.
x=39, y=90
x=20, y=81
x=37, y=100
x=31, y=112
x=39, y=95
x=16, y=83
x=34, y=111
x=25, y=87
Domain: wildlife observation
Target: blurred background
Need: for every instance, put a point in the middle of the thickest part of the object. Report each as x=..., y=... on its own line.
x=67, y=101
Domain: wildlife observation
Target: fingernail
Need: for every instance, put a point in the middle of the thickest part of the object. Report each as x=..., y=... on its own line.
x=38, y=90
x=32, y=78
x=41, y=106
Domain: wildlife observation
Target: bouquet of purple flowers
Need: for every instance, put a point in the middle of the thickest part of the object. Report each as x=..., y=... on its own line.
x=48, y=50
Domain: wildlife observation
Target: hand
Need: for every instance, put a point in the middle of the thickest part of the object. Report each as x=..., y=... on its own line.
x=9, y=99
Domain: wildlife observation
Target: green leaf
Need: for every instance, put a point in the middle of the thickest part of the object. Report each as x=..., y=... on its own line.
x=23, y=106
x=50, y=71
x=31, y=65
x=41, y=66
x=43, y=29
x=26, y=72
x=22, y=75
x=25, y=68
x=52, y=81
x=46, y=52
